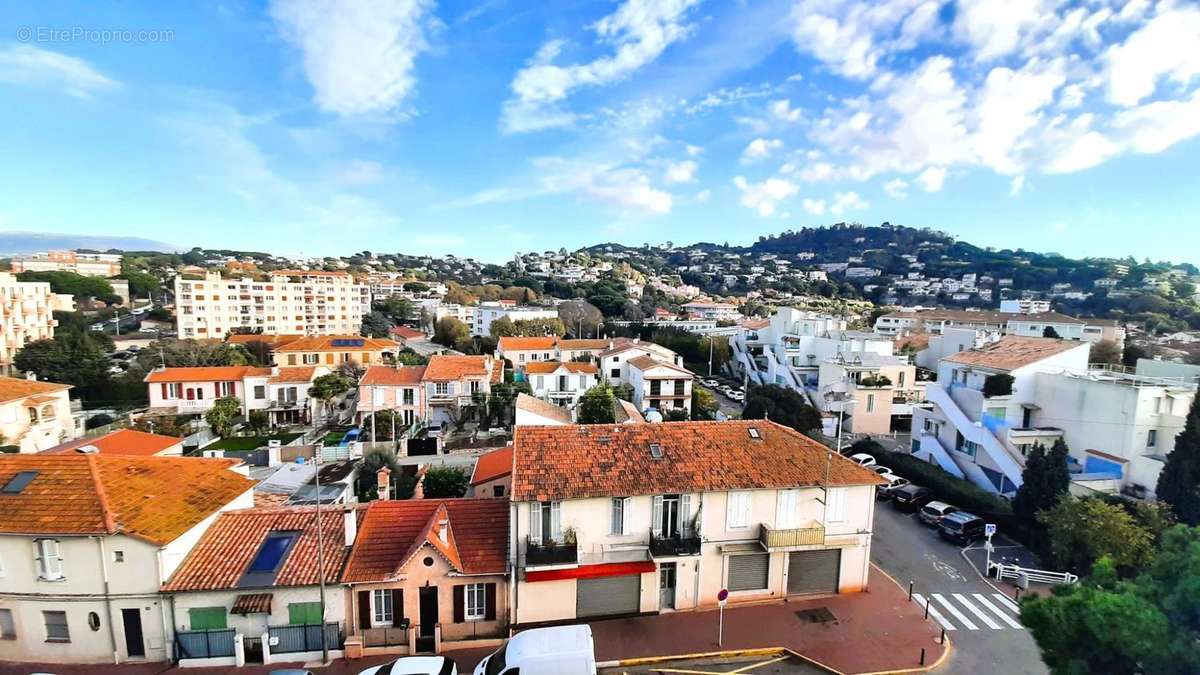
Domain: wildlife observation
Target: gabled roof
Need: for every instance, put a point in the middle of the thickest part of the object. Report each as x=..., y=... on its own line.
x=648, y=362
x=445, y=367
x=582, y=344
x=221, y=557
x=406, y=333
x=519, y=343
x=14, y=388
x=594, y=460
x=206, y=374
x=337, y=343
x=544, y=367
x=392, y=532
x=626, y=411
x=293, y=374
x=1012, y=352
x=392, y=376
x=493, y=465
x=271, y=339
x=153, y=498
x=121, y=442
x=544, y=409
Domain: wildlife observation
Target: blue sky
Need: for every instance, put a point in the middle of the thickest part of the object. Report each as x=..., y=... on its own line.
x=485, y=127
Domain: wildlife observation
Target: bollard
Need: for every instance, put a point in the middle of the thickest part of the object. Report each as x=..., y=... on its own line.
x=922, y=656
x=910, y=587
x=927, y=609
x=943, y=640
x=1017, y=594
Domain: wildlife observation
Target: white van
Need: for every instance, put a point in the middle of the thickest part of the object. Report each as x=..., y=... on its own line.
x=561, y=650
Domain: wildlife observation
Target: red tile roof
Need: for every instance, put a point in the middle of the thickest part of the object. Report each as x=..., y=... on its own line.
x=1013, y=351
x=393, y=531
x=153, y=498
x=392, y=376
x=520, y=343
x=583, y=344
x=445, y=367
x=594, y=460
x=13, y=388
x=406, y=333
x=227, y=548
x=272, y=340
x=648, y=362
x=293, y=374
x=206, y=374
x=543, y=367
x=325, y=343
x=121, y=442
x=543, y=408
x=492, y=465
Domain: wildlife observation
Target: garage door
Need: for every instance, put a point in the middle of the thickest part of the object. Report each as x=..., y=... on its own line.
x=813, y=571
x=748, y=572
x=609, y=595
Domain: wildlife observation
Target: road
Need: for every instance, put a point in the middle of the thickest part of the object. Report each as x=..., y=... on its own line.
x=986, y=635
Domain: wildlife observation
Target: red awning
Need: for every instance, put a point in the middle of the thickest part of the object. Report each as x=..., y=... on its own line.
x=592, y=571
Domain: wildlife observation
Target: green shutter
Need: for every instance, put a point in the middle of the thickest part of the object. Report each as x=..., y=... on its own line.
x=306, y=613
x=207, y=618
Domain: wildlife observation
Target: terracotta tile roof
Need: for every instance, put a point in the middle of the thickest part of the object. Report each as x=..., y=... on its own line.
x=492, y=465
x=543, y=367
x=251, y=603
x=543, y=408
x=626, y=411
x=917, y=341
x=756, y=324
x=227, y=548
x=13, y=388
x=392, y=531
x=153, y=498
x=522, y=343
x=647, y=362
x=272, y=340
x=406, y=333
x=121, y=442
x=293, y=374
x=206, y=374
x=574, y=462
x=583, y=344
x=308, y=273
x=325, y=343
x=1013, y=351
x=445, y=367
x=392, y=376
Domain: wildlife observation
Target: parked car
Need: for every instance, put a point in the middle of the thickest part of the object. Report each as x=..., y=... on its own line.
x=862, y=459
x=932, y=512
x=737, y=396
x=879, y=469
x=291, y=671
x=414, y=665
x=711, y=384
x=961, y=528
x=910, y=497
x=561, y=650
x=893, y=481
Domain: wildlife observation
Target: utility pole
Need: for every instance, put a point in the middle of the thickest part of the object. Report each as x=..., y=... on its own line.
x=710, y=355
x=320, y=553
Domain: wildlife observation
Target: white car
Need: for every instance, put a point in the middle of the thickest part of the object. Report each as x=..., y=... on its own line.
x=893, y=482
x=711, y=384
x=880, y=469
x=736, y=396
x=862, y=459
x=414, y=665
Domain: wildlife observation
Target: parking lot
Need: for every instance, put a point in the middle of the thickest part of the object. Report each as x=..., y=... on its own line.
x=728, y=405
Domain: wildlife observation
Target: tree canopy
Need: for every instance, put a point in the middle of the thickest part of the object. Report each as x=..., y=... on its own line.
x=1179, y=480
x=1081, y=531
x=1044, y=480
x=783, y=405
x=596, y=406
x=221, y=415
x=445, y=482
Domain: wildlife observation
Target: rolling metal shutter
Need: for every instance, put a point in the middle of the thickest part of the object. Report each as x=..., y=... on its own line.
x=748, y=572
x=813, y=571
x=608, y=595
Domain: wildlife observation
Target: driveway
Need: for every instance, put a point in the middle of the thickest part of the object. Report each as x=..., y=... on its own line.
x=982, y=623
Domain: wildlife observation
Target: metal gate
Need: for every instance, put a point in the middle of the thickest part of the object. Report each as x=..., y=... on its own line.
x=608, y=595
x=748, y=572
x=814, y=571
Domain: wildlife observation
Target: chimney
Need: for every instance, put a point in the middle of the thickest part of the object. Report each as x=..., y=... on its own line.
x=383, y=482
x=350, y=525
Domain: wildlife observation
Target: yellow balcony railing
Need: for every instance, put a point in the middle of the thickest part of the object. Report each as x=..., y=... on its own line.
x=772, y=538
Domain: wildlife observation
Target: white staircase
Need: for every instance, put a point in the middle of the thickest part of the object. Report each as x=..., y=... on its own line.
x=1001, y=457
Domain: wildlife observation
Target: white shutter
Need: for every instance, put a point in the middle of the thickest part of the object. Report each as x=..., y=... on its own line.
x=685, y=515
x=626, y=514
x=535, y=523
x=556, y=521
x=656, y=516
x=49, y=559
x=835, y=505
x=785, y=516
x=745, y=516
x=737, y=511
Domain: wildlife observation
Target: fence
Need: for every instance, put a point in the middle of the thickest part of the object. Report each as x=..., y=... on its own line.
x=203, y=644
x=303, y=638
x=384, y=637
x=1040, y=576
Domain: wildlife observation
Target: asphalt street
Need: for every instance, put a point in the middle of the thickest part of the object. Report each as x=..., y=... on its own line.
x=982, y=624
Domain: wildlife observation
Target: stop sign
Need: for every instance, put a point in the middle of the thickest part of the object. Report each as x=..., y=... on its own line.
x=722, y=595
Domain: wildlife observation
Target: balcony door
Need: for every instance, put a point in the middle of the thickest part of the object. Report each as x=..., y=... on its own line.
x=670, y=516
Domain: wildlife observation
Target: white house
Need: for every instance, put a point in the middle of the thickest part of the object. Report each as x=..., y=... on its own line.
x=288, y=401
x=451, y=383
x=659, y=385
x=646, y=518
x=561, y=383
x=192, y=391
x=35, y=416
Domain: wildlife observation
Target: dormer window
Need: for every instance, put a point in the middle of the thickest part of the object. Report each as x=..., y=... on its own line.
x=656, y=451
x=754, y=433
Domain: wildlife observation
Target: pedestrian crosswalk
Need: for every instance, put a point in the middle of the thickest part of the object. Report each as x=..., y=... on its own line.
x=971, y=611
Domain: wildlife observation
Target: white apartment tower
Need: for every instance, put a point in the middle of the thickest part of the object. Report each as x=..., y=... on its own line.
x=26, y=314
x=286, y=302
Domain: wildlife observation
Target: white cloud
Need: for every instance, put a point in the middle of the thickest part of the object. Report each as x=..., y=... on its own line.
x=759, y=149
x=680, y=172
x=639, y=31
x=995, y=28
x=1018, y=184
x=361, y=172
x=846, y=201
x=693, y=150
x=358, y=56
x=897, y=187
x=1076, y=146
x=1167, y=46
x=783, y=110
x=703, y=196
x=814, y=206
x=1154, y=127
x=628, y=188
x=1008, y=107
x=852, y=37
x=932, y=178
x=30, y=66
x=765, y=196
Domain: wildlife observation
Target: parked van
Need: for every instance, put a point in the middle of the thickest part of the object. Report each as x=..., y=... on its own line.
x=961, y=528
x=561, y=650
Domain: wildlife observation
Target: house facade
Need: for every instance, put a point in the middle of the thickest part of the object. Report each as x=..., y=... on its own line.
x=451, y=383
x=522, y=350
x=335, y=350
x=26, y=315
x=288, y=401
x=395, y=388
x=613, y=520
x=35, y=416
x=660, y=386
x=193, y=390
x=873, y=393
x=561, y=383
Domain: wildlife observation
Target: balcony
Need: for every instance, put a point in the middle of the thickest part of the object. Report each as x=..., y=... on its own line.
x=776, y=539
x=537, y=555
x=669, y=547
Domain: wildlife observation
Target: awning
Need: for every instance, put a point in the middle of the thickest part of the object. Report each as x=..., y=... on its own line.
x=1031, y=406
x=731, y=549
x=592, y=571
x=252, y=603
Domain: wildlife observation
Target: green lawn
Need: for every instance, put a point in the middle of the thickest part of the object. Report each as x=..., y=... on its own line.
x=237, y=443
x=333, y=437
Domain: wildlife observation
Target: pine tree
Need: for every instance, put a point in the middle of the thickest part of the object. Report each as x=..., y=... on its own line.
x=1179, y=481
x=1044, y=481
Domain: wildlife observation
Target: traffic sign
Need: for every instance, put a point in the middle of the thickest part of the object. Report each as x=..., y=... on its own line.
x=989, y=529
x=722, y=595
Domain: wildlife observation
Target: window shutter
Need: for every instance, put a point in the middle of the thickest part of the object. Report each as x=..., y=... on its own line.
x=489, y=607
x=398, y=603
x=656, y=516
x=535, y=523
x=745, y=515
x=626, y=514
x=364, y=609
x=685, y=515
x=460, y=610
x=164, y=390
x=785, y=516
x=617, y=516
x=556, y=521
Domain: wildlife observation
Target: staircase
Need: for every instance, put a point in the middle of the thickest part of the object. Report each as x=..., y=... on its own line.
x=1006, y=460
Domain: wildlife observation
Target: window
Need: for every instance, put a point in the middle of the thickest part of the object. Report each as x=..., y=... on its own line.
x=49, y=559
x=311, y=359
x=381, y=607
x=1151, y=438
x=615, y=373
x=497, y=490
x=583, y=381
x=304, y=613
x=539, y=382
x=32, y=414
x=900, y=379
x=441, y=388
x=260, y=391
x=621, y=513
x=785, y=515
x=737, y=511
x=870, y=402
x=408, y=397
x=835, y=505
x=8, y=629
x=118, y=556
x=291, y=359
x=545, y=522
x=225, y=389
x=378, y=396
x=269, y=559
x=476, y=597
x=56, y=626
x=207, y=618
x=48, y=412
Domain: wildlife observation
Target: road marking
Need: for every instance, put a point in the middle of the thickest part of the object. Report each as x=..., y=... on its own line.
x=1003, y=599
x=997, y=611
x=965, y=602
x=962, y=618
x=933, y=612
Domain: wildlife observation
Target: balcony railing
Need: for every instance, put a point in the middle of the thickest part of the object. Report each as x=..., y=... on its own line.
x=772, y=538
x=551, y=554
x=665, y=547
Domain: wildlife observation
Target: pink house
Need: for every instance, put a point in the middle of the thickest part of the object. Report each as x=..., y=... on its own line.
x=396, y=388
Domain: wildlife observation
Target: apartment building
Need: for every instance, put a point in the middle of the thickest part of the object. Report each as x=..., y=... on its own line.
x=335, y=350
x=487, y=312
x=450, y=383
x=193, y=390
x=286, y=301
x=26, y=315
x=521, y=350
x=395, y=388
x=35, y=416
x=874, y=393
x=85, y=264
x=87, y=540
x=658, y=385
x=1026, y=324
x=631, y=519
x=716, y=311
x=562, y=383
